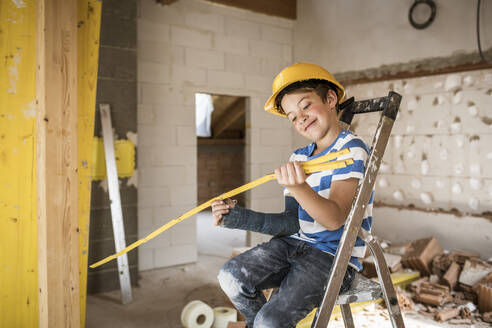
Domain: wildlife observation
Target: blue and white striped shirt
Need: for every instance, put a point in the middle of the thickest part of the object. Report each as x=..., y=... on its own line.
x=310, y=230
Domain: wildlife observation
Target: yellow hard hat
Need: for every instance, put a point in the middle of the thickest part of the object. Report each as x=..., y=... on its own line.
x=295, y=73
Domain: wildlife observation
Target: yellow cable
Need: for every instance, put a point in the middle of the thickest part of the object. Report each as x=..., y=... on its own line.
x=316, y=165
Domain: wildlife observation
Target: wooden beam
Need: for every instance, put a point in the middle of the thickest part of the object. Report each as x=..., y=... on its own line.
x=234, y=112
x=56, y=145
x=88, y=35
x=18, y=227
x=279, y=8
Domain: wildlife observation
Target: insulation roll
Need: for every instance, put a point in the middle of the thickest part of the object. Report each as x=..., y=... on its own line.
x=197, y=314
x=223, y=315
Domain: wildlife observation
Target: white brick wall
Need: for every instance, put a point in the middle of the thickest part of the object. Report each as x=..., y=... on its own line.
x=194, y=46
x=441, y=139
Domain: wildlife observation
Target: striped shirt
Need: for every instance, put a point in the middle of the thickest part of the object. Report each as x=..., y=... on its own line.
x=310, y=230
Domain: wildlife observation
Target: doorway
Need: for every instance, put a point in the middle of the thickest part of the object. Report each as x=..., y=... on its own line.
x=221, y=164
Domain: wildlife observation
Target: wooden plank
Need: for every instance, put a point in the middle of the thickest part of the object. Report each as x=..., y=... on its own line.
x=279, y=8
x=115, y=201
x=18, y=225
x=234, y=112
x=89, y=18
x=56, y=96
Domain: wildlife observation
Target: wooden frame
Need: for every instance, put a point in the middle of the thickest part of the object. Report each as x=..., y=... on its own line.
x=56, y=146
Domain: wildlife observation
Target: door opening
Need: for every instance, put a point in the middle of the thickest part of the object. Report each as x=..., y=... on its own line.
x=221, y=126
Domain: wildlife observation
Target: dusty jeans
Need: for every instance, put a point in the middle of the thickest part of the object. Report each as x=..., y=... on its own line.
x=299, y=270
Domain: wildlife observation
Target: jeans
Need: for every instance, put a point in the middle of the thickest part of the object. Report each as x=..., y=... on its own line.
x=299, y=270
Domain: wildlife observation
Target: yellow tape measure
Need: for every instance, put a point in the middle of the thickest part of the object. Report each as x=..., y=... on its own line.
x=321, y=163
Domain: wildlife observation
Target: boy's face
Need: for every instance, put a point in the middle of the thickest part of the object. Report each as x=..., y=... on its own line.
x=312, y=118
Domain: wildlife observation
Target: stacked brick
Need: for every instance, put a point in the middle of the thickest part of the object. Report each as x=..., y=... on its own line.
x=193, y=46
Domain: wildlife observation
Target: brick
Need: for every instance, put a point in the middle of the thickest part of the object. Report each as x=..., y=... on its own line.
x=183, y=195
x=101, y=226
x=153, y=196
x=182, y=74
x=183, y=234
x=144, y=154
x=165, y=214
x=276, y=34
x=169, y=256
x=471, y=111
x=118, y=32
x=145, y=219
x=153, y=32
x=266, y=49
x=162, y=240
x=210, y=22
x=230, y=44
x=125, y=8
x=186, y=135
x=163, y=176
x=117, y=63
x=191, y=38
x=271, y=67
x=288, y=52
x=153, y=73
x=267, y=154
x=170, y=115
x=258, y=83
x=157, y=136
x=122, y=97
x=161, y=94
x=242, y=64
x=145, y=259
x=276, y=137
x=208, y=59
x=225, y=79
x=145, y=115
x=164, y=53
x=242, y=28
x=174, y=155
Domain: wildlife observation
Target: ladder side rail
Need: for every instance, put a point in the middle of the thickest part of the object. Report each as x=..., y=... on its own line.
x=389, y=293
x=355, y=216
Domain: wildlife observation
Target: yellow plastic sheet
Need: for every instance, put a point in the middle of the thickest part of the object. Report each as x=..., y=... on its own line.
x=321, y=163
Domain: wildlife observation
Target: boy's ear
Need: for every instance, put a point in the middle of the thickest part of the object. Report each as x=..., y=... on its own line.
x=332, y=98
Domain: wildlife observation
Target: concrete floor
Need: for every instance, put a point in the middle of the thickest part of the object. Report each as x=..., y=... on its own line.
x=163, y=293
x=161, y=296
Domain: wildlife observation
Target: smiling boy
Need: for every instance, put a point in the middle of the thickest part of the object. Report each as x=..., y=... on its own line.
x=306, y=235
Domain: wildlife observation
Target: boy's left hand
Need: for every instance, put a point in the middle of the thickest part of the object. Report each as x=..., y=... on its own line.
x=290, y=174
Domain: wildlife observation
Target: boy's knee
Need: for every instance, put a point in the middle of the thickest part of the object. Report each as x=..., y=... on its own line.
x=228, y=280
x=270, y=319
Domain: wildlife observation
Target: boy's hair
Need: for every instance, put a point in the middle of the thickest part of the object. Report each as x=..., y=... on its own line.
x=320, y=87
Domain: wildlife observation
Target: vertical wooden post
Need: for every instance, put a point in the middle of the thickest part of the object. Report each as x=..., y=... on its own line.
x=56, y=93
x=18, y=228
x=89, y=23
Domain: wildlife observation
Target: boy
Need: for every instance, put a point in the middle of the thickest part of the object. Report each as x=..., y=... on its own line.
x=306, y=235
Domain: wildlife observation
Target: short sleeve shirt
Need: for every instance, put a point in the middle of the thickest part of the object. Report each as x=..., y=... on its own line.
x=310, y=230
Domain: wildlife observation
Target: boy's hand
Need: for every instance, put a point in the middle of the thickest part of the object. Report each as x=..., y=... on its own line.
x=291, y=174
x=220, y=208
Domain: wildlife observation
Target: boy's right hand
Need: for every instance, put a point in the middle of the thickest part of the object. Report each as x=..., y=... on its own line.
x=220, y=208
